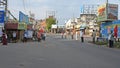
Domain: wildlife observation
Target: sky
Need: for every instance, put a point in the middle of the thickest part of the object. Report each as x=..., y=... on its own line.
x=63, y=9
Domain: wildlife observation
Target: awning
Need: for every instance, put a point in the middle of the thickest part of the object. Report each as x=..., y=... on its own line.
x=11, y=25
x=83, y=26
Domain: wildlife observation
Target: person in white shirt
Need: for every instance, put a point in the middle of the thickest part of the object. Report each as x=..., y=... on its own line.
x=14, y=36
x=81, y=36
x=111, y=39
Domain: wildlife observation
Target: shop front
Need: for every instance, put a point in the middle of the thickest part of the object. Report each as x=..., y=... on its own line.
x=10, y=28
x=29, y=31
x=21, y=28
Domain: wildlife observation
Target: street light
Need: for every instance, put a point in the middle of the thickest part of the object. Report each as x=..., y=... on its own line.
x=57, y=25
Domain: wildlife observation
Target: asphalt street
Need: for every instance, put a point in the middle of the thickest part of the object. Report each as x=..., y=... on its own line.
x=58, y=53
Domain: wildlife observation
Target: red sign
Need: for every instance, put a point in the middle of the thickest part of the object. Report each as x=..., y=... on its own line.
x=11, y=25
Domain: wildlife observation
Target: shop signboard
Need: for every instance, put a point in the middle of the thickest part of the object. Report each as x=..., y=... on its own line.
x=11, y=25
x=22, y=26
x=2, y=18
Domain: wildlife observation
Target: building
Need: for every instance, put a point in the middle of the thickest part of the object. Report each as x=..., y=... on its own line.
x=88, y=22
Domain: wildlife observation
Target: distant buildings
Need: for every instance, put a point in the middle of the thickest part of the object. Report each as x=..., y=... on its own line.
x=87, y=20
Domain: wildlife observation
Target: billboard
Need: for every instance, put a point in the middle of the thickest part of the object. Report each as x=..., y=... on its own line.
x=107, y=12
x=112, y=12
x=1, y=16
x=23, y=18
x=106, y=27
x=102, y=15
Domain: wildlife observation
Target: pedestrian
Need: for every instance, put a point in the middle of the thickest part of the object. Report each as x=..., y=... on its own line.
x=76, y=35
x=39, y=36
x=94, y=36
x=111, y=39
x=81, y=36
x=1, y=35
x=25, y=36
x=62, y=34
x=72, y=36
x=14, y=36
x=44, y=35
x=4, y=39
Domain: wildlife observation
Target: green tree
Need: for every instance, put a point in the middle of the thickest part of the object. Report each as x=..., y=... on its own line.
x=50, y=22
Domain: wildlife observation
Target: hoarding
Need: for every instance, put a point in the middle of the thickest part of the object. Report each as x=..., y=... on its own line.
x=106, y=27
x=23, y=18
x=112, y=12
x=102, y=15
x=107, y=12
x=1, y=16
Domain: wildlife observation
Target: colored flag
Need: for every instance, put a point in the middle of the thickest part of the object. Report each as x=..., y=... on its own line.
x=116, y=31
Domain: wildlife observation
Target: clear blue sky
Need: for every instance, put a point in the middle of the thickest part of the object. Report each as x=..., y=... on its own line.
x=64, y=9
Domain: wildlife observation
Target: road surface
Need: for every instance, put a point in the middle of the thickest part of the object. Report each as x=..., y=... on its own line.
x=58, y=53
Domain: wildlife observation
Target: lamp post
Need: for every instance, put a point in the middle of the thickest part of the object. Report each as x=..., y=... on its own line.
x=107, y=1
x=57, y=25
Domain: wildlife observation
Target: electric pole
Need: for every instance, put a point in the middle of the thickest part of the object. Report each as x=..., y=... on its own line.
x=6, y=10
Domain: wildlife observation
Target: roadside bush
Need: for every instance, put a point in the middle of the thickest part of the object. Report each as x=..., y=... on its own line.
x=101, y=43
x=117, y=44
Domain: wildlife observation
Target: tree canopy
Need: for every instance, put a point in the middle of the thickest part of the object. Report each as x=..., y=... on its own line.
x=49, y=22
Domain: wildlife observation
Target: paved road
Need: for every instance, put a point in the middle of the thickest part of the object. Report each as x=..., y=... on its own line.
x=58, y=53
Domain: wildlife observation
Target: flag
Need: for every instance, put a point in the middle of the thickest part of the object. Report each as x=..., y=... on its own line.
x=116, y=31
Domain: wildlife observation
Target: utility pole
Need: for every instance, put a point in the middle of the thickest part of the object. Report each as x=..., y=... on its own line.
x=107, y=1
x=107, y=8
x=6, y=10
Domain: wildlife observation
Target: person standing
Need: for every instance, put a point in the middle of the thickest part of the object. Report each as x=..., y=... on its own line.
x=81, y=36
x=111, y=39
x=39, y=36
x=62, y=34
x=25, y=36
x=14, y=36
x=76, y=35
x=94, y=36
x=4, y=39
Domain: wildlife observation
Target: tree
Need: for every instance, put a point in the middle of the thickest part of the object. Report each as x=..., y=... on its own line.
x=50, y=22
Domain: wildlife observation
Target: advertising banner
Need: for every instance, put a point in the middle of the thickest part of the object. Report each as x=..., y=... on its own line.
x=22, y=26
x=114, y=26
x=1, y=16
x=112, y=12
x=102, y=15
x=23, y=18
x=107, y=12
